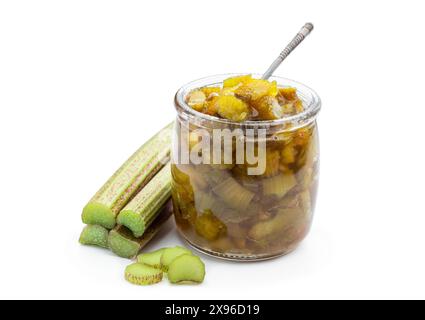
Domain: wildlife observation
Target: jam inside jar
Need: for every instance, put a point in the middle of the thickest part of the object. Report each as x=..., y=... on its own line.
x=245, y=190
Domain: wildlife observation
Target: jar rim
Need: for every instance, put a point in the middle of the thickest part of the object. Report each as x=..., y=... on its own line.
x=311, y=101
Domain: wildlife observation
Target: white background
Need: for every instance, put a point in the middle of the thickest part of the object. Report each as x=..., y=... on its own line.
x=84, y=83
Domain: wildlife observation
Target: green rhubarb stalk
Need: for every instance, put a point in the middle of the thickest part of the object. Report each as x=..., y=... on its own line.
x=133, y=175
x=123, y=243
x=93, y=235
x=140, y=212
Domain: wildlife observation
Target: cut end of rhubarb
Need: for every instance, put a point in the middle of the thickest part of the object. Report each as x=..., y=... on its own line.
x=186, y=269
x=122, y=245
x=99, y=214
x=142, y=275
x=133, y=221
x=94, y=236
x=152, y=259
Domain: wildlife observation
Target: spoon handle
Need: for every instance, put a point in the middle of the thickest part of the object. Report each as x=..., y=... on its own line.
x=301, y=35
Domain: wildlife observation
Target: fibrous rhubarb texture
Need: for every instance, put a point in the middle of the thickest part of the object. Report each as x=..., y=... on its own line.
x=142, y=275
x=93, y=235
x=123, y=243
x=128, y=180
x=140, y=213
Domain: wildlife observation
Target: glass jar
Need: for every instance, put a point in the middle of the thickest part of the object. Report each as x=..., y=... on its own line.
x=258, y=202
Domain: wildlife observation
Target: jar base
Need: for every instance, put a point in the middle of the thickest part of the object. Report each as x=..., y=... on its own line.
x=238, y=257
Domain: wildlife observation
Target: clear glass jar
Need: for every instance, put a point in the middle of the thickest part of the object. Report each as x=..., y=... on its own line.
x=225, y=208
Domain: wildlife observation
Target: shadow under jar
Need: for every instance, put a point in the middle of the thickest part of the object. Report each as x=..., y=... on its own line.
x=225, y=211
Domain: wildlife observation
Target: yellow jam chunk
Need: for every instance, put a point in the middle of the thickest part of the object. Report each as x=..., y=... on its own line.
x=232, y=108
x=209, y=227
x=256, y=89
x=244, y=98
x=237, y=81
x=211, y=91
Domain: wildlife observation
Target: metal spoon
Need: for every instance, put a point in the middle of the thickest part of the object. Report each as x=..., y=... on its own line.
x=301, y=35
